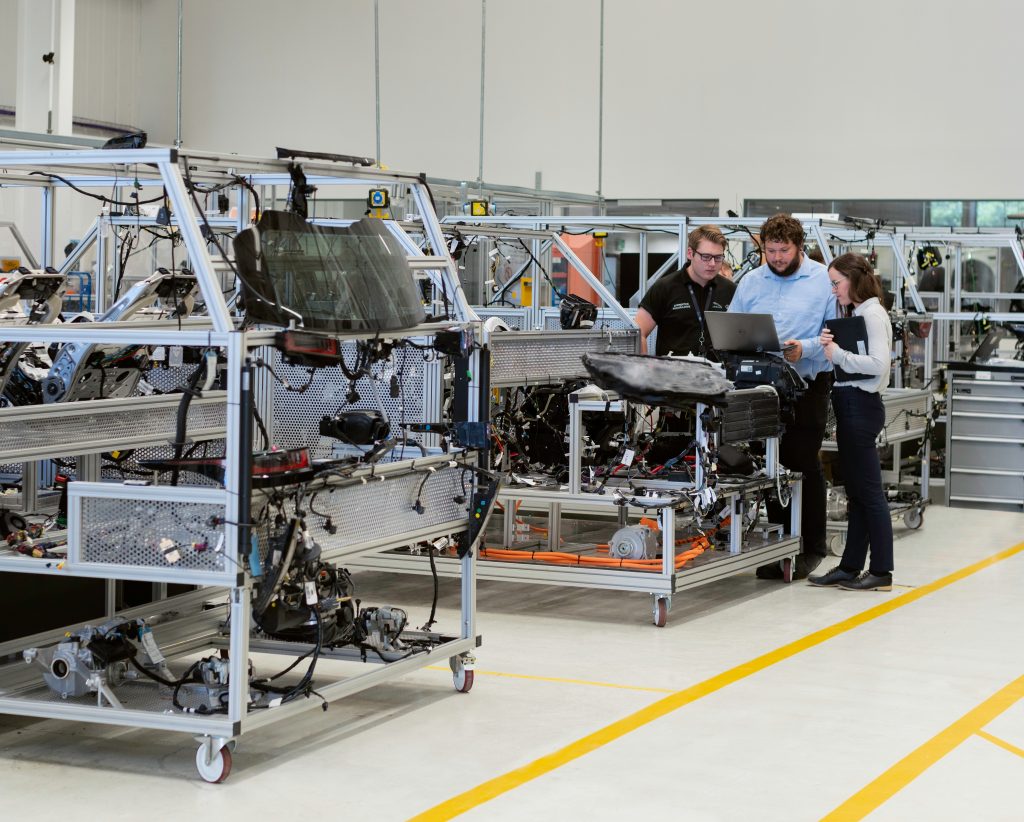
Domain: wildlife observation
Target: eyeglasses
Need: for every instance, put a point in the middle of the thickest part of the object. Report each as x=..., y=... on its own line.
x=835, y=284
x=710, y=258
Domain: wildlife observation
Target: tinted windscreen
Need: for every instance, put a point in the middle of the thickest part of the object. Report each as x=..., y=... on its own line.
x=324, y=277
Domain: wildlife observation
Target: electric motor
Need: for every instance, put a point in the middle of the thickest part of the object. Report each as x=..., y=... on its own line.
x=634, y=542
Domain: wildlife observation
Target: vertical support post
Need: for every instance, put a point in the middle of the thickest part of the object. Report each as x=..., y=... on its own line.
x=376, y=70
x=668, y=542
x=87, y=468
x=100, y=298
x=468, y=591
x=600, y=109
x=508, y=522
x=796, y=507
x=771, y=456
x=238, y=490
x=575, y=435
x=535, y=320
x=30, y=486
x=177, y=87
x=957, y=289
x=737, y=505
x=554, y=525
x=47, y=250
x=109, y=597
x=643, y=262
x=238, y=663
x=483, y=67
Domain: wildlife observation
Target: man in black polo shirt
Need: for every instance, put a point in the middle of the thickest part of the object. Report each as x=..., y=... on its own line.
x=677, y=302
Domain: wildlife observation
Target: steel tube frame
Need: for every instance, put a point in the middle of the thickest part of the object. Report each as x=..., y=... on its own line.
x=218, y=331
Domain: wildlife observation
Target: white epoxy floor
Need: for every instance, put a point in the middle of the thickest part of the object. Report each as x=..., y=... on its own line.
x=791, y=741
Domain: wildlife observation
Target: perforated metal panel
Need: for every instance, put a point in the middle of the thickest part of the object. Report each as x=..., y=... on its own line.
x=382, y=510
x=514, y=318
x=168, y=380
x=129, y=467
x=165, y=533
x=100, y=425
x=606, y=318
x=905, y=415
x=531, y=357
x=296, y=416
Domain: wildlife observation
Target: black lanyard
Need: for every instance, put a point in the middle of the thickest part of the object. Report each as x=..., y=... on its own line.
x=697, y=309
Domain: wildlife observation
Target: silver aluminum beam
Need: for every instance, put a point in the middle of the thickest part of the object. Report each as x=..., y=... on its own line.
x=355, y=684
x=199, y=256
x=593, y=281
x=30, y=258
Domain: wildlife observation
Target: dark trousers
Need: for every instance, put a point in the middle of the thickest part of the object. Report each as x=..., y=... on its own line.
x=798, y=451
x=859, y=418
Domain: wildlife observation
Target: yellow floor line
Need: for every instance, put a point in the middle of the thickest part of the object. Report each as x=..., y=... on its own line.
x=913, y=765
x=513, y=779
x=561, y=680
x=1002, y=743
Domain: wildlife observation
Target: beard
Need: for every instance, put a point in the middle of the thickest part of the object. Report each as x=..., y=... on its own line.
x=789, y=269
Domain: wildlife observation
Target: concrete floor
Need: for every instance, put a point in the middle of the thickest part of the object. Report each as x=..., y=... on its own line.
x=791, y=736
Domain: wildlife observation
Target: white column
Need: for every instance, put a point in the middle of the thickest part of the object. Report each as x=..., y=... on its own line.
x=45, y=91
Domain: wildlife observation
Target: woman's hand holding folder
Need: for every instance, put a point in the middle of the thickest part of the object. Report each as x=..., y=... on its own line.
x=827, y=343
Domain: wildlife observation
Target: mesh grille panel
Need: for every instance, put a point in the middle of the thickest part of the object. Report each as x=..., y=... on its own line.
x=152, y=533
x=96, y=429
x=514, y=318
x=517, y=359
x=382, y=510
x=904, y=413
x=130, y=466
x=297, y=415
x=169, y=380
x=605, y=319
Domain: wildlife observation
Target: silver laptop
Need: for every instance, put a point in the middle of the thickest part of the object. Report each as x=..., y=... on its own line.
x=743, y=333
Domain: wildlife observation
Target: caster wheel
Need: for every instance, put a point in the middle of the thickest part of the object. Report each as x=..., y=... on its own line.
x=913, y=519
x=661, y=612
x=787, y=569
x=463, y=680
x=218, y=768
x=835, y=545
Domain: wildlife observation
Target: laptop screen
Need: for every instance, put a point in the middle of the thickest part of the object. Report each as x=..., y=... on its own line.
x=742, y=333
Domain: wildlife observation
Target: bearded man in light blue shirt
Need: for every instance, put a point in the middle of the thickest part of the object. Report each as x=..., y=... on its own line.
x=796, y=291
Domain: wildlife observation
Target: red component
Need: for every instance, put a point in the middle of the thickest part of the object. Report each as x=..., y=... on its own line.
x=306, y=347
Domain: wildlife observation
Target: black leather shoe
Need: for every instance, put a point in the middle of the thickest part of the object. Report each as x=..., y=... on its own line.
x=805, y=563
x=868, y=582
x=834, y=577
x=771, y=571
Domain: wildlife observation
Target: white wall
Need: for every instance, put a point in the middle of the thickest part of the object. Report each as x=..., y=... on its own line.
x=108, y=51
x=8, y=54
x=862, y=98
x=810, y=98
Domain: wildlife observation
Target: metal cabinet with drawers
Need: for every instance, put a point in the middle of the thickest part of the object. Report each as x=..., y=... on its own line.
x=985, y=437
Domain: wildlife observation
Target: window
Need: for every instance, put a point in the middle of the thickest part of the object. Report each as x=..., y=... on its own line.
x=946, y=212
x=993, y=213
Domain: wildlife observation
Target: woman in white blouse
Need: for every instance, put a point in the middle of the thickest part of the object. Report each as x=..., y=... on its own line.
x=860, y=415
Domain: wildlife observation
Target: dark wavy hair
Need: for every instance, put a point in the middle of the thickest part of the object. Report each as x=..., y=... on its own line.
x=864, y=283
x=781, y=228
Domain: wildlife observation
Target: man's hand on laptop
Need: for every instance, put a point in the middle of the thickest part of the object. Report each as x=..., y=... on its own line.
x=792, y=350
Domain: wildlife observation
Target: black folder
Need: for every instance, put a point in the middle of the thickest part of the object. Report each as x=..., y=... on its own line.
x=850, y=334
